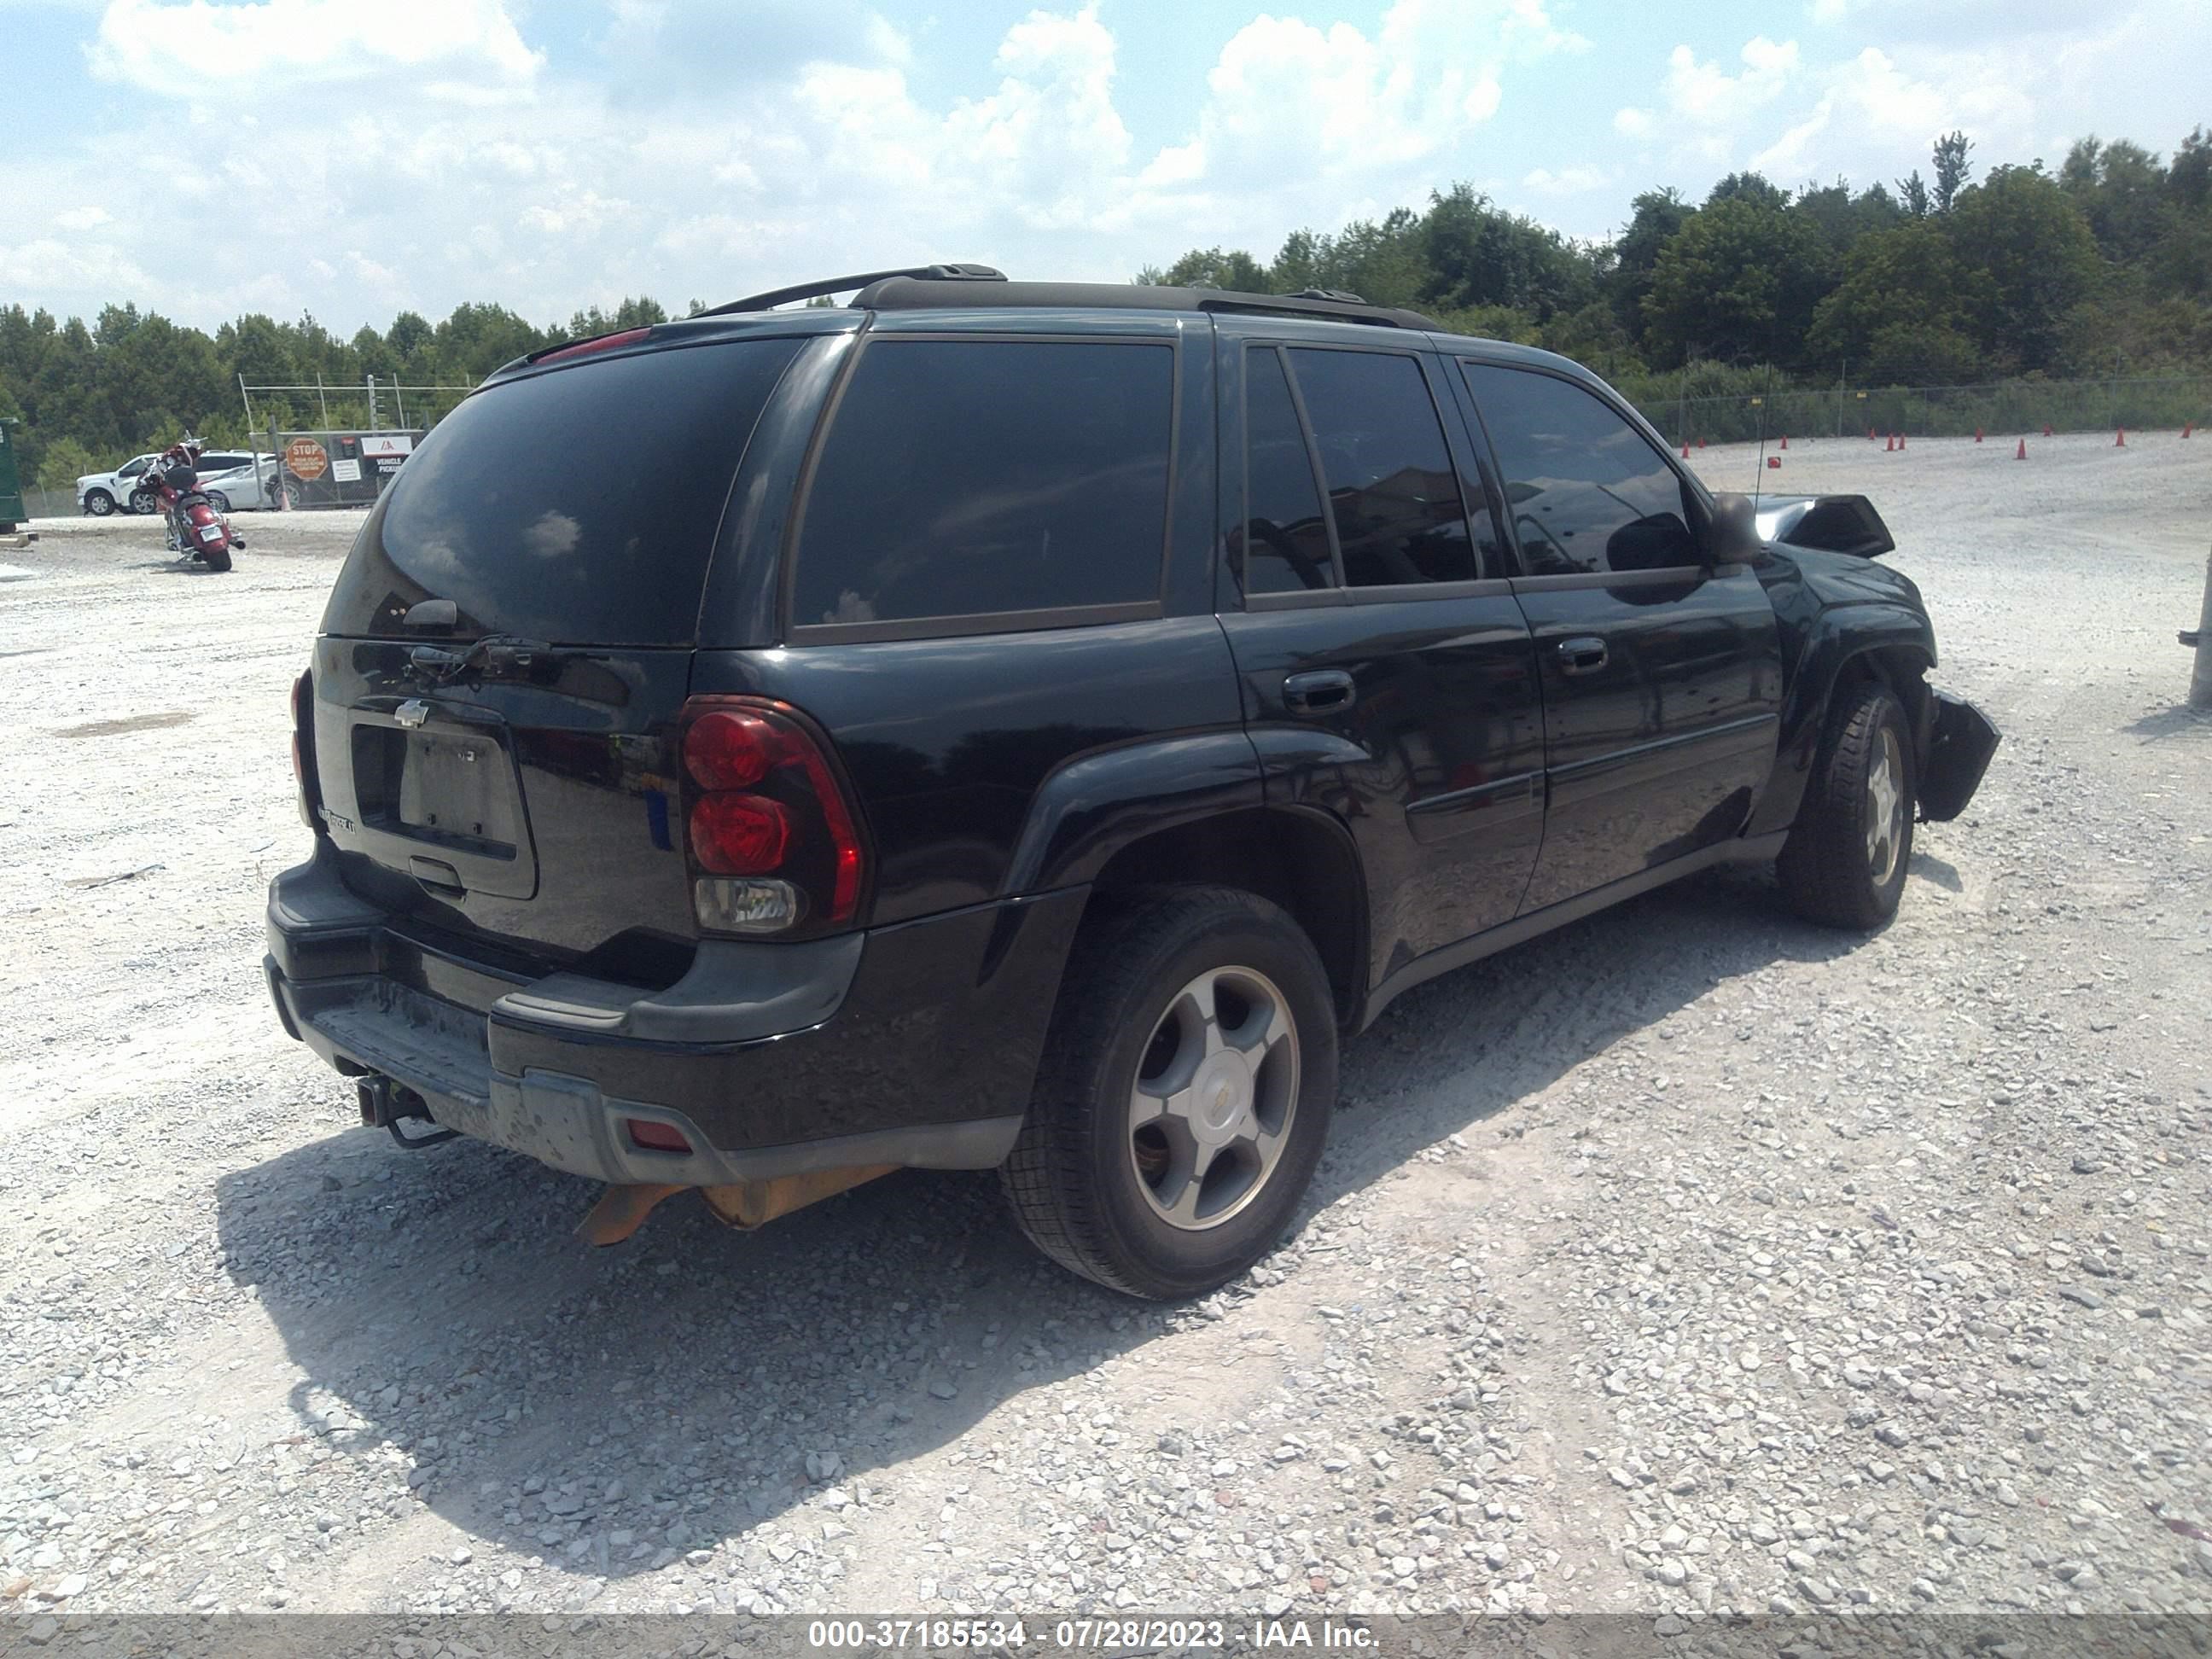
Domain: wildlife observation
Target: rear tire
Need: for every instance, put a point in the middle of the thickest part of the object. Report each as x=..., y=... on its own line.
x=1844, y=865
x=216, y=560
x=143, y=501
x=1188, y=1078
x=218, y=501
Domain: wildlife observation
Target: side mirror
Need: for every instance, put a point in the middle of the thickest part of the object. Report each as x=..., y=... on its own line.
x=1732, y=533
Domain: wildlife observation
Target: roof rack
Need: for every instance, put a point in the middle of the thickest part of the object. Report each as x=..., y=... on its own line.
x=816, y=290
x=914, y=291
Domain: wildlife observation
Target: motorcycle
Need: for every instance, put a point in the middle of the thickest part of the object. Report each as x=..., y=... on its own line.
x=195, y=527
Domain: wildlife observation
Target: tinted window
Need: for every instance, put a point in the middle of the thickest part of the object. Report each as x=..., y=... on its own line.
x=212, y=463
x=1391, y=487
x=131, y=469
x=578, y=505
x=1587, y=491
x=1282, y=545
x=961, y=477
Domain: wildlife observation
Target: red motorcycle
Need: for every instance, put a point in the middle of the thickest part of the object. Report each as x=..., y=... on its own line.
x=195, y=527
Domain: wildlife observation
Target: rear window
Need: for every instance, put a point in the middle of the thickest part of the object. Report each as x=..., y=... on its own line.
x=964, y=477
x=577, y=506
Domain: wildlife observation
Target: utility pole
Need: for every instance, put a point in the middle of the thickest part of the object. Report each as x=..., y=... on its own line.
x=2200, y=682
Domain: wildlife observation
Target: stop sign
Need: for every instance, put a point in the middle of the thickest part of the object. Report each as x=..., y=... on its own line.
x=305, y=459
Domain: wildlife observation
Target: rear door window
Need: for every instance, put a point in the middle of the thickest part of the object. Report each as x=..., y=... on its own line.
x=1586, y=490
x=969, y=478
x=578, y=505
x=1283, y=544
x=1392, y=490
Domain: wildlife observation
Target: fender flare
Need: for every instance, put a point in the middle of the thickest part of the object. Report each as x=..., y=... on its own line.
x=1872, y=633
x=1093, y=806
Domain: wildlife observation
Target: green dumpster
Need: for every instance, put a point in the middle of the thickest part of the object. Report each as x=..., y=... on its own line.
x=11, y=484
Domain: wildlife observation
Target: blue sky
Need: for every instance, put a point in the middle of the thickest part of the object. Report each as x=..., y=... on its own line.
x=352, y=157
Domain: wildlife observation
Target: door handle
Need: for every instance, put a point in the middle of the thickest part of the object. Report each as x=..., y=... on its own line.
x=1323, y=691
x=1585, y=655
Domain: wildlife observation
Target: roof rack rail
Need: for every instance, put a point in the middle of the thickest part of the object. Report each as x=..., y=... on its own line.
x=815, y=290
x=903, y=292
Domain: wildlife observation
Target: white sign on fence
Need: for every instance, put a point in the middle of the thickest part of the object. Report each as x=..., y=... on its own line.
x=346, y=471
x=384, y=445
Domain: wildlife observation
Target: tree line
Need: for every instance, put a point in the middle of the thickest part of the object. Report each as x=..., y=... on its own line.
x=2101, y=267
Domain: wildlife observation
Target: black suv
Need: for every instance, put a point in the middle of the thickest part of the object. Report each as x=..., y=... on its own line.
x=1027, y=726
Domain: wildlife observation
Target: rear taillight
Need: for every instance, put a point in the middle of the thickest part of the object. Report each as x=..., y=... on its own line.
x=586, y=348
x=303, y=749
x=773, y=841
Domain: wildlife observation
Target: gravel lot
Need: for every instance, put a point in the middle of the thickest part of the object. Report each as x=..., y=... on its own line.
x=1691, y=1258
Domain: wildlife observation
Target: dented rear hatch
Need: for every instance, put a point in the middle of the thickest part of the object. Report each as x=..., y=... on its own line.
x=504, y=654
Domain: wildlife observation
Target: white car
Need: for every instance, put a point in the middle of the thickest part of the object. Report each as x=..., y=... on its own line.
x=102, y=493
x=234, y=481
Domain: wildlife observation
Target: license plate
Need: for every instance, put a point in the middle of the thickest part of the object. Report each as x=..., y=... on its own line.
x=211, y=532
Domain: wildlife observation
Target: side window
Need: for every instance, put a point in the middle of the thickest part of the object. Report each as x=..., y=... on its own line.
x=131, y=469
x=1392, y=491
x=1586, y=490
x=1282, y=545
x=961, y=477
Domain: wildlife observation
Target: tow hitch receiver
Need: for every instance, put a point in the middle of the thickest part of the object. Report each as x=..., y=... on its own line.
x=744, y=1204
x=386, y=1104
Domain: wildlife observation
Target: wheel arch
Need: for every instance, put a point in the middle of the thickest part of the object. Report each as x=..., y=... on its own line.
x=1302, y=860
x=1889, y=645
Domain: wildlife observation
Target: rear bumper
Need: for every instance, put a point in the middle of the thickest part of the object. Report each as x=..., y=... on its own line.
x=1961, y=740
x=914, y=1045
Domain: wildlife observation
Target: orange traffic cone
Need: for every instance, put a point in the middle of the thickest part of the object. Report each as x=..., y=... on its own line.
x=2020, y=454
x=1785, y=440
x=1685, y=449
x=2120, y=438
x=1890, y=447
x=1900, y=440
x=2046, y=428
x=2188, y=426
x=1978, y=435
x=1701, y=443
x=1869, y=434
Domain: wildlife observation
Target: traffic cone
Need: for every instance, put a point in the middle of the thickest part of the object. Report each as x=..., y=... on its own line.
x=2120, y=438
x=2188, y=426
x=2046, y=428
x=1900, y=440
x=1890, y=447
x=1785, y=440
x=1869, y=434
x=1978, y=435
x=1685, y=449
x=1701, y=443
x=2020, y=454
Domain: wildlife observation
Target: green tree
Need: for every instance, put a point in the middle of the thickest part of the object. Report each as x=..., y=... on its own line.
x=1909, y=276
x=1740, y=280
x=1477, y=254
x=2022, y=231
x=1656, y=216
x=1753, y=187
x=1912, y=195
x=1213, y=267
x=1952, y=168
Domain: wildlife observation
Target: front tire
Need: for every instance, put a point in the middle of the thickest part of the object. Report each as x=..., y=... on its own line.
x=1844, y=865
x=99, y=503
x=1189, y=1080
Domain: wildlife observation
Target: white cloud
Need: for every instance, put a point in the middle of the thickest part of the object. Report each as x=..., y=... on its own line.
x=83, y=218
x=1633, y=123
x=182, y=48
x=1567, y=181
x=1703, y=93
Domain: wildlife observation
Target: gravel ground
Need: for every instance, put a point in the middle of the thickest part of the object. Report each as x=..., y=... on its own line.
x=1691, y=1258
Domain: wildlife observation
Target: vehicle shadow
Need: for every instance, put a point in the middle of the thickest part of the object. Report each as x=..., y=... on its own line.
x=2176, y=721
x=441, y=1302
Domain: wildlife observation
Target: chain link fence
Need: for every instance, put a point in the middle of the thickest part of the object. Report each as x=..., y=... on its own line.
x=2005, y=408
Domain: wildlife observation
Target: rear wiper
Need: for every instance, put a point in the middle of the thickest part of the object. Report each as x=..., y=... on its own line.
x=504, y=650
